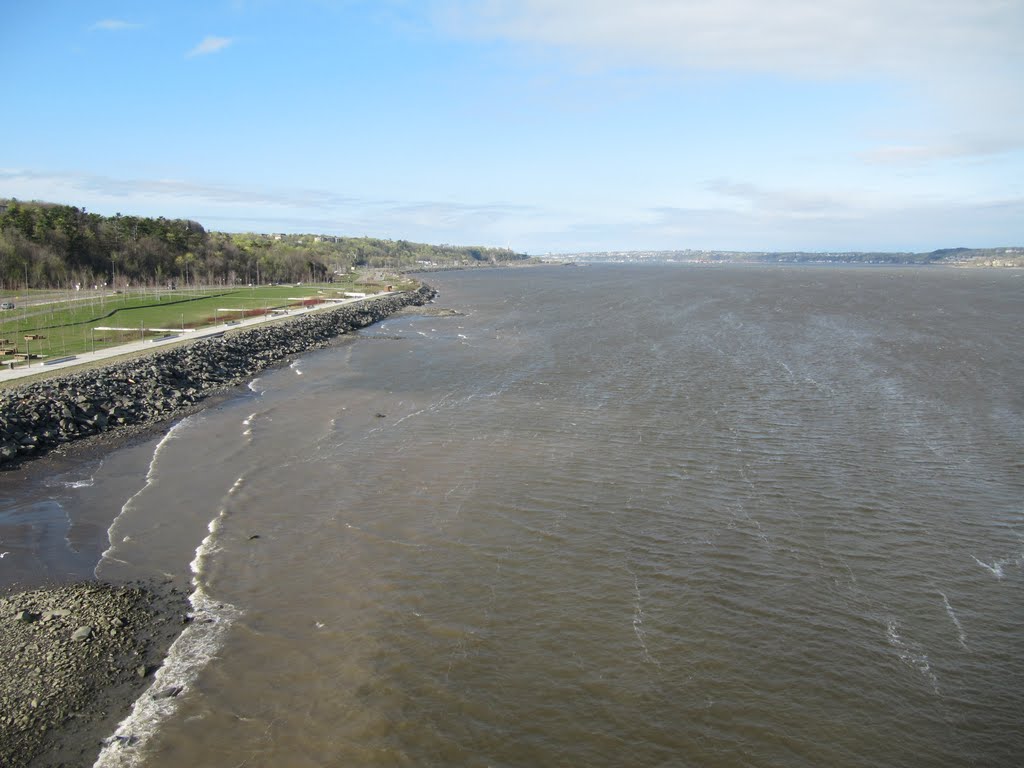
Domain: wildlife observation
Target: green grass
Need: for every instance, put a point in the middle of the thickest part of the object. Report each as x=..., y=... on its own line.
x=70, y=325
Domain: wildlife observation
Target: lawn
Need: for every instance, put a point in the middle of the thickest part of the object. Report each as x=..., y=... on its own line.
x=69, y=323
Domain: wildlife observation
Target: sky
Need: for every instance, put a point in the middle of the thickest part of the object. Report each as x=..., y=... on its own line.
x=546, y=126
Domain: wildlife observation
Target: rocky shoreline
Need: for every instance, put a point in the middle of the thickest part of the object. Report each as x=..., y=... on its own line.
x=73, y=659
x=144, y=391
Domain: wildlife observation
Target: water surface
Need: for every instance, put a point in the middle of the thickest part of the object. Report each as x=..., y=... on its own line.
x=609, y=516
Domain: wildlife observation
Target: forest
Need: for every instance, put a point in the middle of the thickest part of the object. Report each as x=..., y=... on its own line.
x=46, y=245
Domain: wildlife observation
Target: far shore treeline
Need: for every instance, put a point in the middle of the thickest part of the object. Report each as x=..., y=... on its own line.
x=45, y=245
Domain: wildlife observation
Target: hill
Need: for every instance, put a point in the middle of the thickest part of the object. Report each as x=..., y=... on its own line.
x=46, y=245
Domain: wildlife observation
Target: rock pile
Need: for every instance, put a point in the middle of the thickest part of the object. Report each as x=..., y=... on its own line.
x=45, y=414
x=72, y=659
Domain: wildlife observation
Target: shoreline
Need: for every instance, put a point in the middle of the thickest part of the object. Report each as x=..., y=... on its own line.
x=76, y=655
x=44, y=415
x=73, y=659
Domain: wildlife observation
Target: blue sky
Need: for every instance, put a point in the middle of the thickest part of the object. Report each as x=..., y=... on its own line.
x=543, y=125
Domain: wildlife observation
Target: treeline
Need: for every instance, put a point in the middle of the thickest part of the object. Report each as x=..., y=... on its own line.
x=43, y=245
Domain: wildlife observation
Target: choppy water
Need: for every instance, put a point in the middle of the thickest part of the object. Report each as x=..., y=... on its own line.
x=647, y=516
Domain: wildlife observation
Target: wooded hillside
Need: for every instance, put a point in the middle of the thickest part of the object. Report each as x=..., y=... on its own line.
x=44, y=245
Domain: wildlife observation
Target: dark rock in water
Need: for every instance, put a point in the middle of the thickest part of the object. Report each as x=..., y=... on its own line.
x=254, y=536
x=169, y=693
x=124, y=741
x=382, y=415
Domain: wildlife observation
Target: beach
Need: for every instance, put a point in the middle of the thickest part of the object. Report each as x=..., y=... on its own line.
x=75, y=656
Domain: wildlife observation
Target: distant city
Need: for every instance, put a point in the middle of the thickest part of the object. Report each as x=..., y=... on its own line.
x=981, y=257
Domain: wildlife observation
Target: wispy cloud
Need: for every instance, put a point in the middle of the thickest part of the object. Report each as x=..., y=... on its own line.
x=285, y=209
x=957, y=148
x=958, y=62
x=849, y=223
x=736, y=214
x=827, y=38
x=113, y=25
x=210, y=44
x=783, y=202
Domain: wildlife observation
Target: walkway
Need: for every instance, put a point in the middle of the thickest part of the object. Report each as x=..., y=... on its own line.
x=40, y=365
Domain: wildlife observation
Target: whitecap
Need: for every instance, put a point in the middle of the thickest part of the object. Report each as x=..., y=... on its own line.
x=961, y=635
x=910, y=653
x=996, y=569
x=151, y=472
x=194, y=648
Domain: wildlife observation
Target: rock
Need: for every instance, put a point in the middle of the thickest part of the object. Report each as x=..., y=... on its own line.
x=169, y=692
x=36, y=417
x=82, y=633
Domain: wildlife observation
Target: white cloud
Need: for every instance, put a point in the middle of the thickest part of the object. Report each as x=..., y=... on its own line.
x=957, y=64
x=821, y=39
x=737, y=215
x=113, y=25
x=280, y=209
x=960, y=147
x=789, y=203
x=210, y=44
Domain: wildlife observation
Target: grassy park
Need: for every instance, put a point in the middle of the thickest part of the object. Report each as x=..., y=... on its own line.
x=52, y=324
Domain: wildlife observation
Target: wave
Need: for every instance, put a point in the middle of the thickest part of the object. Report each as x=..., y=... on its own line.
x=197, y=645
x=910, y=653
x=996, y=568
x=172, y=433
x=961, y=635
x=87, y=482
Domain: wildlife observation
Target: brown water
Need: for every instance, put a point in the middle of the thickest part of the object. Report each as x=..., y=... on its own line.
x=646, y=516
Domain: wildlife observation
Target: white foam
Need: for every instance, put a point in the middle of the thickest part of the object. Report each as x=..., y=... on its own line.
x=638, y=621
x=996, y=569
x=86, y=483
x=195, y=647
x=172, y=433
x=910, y=653
x=961, y=635
x=252, y=385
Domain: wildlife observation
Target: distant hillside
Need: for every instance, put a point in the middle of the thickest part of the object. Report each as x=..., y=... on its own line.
x=991, y=257
x=44, y=245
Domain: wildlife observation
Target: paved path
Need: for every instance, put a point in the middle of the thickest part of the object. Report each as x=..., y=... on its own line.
x=38, y=365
